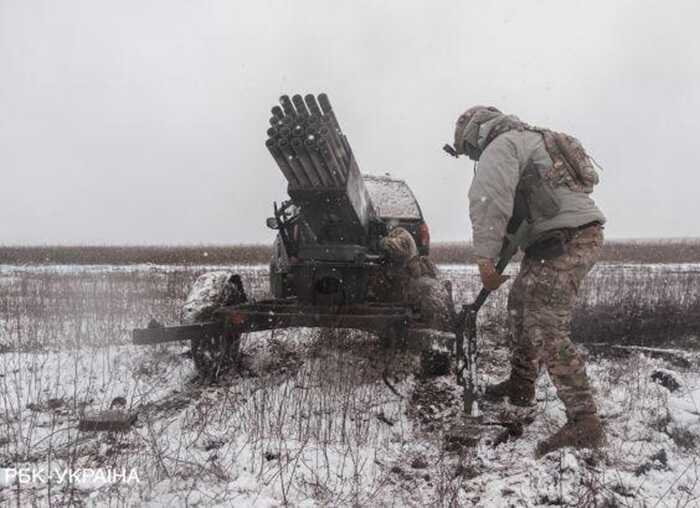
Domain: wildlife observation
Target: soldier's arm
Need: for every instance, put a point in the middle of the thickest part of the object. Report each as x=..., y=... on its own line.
x=491, y=196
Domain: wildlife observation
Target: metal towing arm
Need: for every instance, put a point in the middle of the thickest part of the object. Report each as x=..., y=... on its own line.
x=272, y=314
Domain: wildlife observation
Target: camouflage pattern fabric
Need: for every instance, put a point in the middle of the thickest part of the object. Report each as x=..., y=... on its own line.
x=399, y=245
x=467, y=128
x=434, y=302
x=540, y=305
x=410, y=278
x=385, y=285
x=389, y=282
x=571, y=165
x=421, y=266
x=210, y=291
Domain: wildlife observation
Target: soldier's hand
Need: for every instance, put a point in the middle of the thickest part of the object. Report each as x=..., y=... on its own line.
x=490, y=278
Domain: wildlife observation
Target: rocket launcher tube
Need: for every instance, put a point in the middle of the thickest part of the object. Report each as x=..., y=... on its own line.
x=334, y=146
x=293, y=162
x=331, y=161
x=313, y=105
x=287, y=106
x=325, y=179
x=331, y=157
x=332, y=120
x=328, y=110
x=281, y=161
x=305, y=161
x=313, y=121
x=334, y=136
x=319, y=164
x=298, y=130
x=299, y=104
x=326, y=133
x=277, y=112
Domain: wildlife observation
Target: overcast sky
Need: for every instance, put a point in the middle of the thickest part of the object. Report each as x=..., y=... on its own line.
x=143, y=122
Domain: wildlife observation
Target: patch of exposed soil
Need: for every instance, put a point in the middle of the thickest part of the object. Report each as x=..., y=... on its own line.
x=435, y=404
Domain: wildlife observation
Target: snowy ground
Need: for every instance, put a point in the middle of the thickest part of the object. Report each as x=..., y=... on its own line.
x=309, y=420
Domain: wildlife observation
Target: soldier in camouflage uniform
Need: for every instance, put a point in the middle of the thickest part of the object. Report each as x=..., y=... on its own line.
x=532, y=176
x=413, y=279
x=389, y=281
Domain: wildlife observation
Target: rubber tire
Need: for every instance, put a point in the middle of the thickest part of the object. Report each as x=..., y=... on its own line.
x=215, y=356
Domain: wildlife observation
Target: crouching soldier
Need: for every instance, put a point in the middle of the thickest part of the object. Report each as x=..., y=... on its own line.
x=409, y=278
x=542, y=179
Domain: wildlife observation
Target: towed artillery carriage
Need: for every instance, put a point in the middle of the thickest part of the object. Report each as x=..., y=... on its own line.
x=326, y=254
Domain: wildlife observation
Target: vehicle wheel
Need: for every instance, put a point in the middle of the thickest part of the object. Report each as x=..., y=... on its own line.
x=214, y=356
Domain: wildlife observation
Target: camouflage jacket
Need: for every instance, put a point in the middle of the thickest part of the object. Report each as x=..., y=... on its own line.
x=504, y=160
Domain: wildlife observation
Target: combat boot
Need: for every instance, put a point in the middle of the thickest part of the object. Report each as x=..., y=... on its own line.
x=520, y=392
x=586, y=431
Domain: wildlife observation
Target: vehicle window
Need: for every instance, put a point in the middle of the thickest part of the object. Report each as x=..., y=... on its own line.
x=392, y=198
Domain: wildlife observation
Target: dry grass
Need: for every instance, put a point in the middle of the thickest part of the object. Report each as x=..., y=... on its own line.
x=614, y=251
x=630, y=251
x=48, y=309
x=632, y=304
x=640, y=305
x=309, y=417
x=127, y=255
x=43, y=309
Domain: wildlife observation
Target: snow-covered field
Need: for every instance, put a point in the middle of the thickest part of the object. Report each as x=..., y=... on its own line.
x=309, y=420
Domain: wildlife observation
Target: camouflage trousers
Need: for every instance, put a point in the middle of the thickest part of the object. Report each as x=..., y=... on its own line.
x=540, y=304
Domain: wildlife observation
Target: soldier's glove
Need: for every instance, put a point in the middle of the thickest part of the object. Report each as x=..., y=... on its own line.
x=490, y=278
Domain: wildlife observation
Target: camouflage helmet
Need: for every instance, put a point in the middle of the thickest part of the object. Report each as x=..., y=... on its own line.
x=467, y=129
x=399, y=246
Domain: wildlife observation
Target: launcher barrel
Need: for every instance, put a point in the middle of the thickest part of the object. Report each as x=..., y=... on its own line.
x=315, y=157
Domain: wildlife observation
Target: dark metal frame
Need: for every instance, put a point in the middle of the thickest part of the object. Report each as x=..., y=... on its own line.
x=383, y=319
